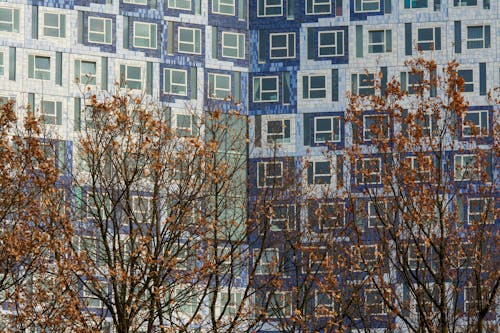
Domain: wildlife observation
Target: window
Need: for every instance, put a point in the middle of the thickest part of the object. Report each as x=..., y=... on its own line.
x=184, y=257
x=330, y=43
x=51, y=112
x=375, y=127
x=363, y=6
x=326, y=129
x=369, y=171
x=463, y=3
x=233, y=45
x=179, y=4
x=265, y=89
x=99, y=30
x=379, y=41
x=280, y=304
x=131, y=76
x=2, y=64
x=416, y=3
x=175, y=82
x=413, y=82
x=319, y=172
x=480, y=211
x=325, y=304
x=363, y=84
x=282, y=46
x=468, y=76
x=476, y=124
x=314, y=87
x=282, y=218
x=223, y=7
x=478, y=37
x=366, y=257
x=189, y=40
x=219, y=86
x=54, y=25
x=85, y=72
x=429, y=39
x=145, y=35
x=379, y=213
x=228, y=303
x=374, y=303
x=419, y=167
x=9, y=19
x=269, y=261
x=470, y=299
x=330, y=216
x=317, y=260
x=269, y=174
x=278, y=131
x=267, y=8
x=98, y=205
x=39, y=67
x=184, y=125
x=142, y=208
x=136, y=2
x=467, y=167
x=92, y=298
x=316, y=7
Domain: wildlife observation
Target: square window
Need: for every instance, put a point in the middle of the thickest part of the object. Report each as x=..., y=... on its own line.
x=416, y=3
x=219, y=86
x=175, y=82
x=269, y=174
x=364, y=6
x=429, y=39
x=329, y=216
x=379, y=41
x=39, y=67
x=269, y=8
x=468, y=76
x=326, y=129
x=379, y=212
x=363, y=84
x=223, y=7
x=314, y=87
x=280, y=304
x=365, y=257
x=319, y=173
x=476, y=124
x=265, y=89
x=376, y=127
x=330, y=43
x=467, y=167
x=131, y=76
x=419, y=167
x=233, y=45
x=318, y=7
x=317, y=260
x=269, y=261
x=142, y=208
x=189, y=40
x=480, y=211
x=85, y=72
x=282, y=46
x=184, y=125
x=92, y=298
x=54, y=25
x=98, y=204
x=278, y=131
x=325, y=304
x=51, y=112
x=99, y=30
x=144, y=35
x=478, y=37
x=463, y=3
x=179, y=4
x=374, y=303
x=470, y=300
x=413, y=82
x=9, y=20
x=369, y=171
x=282, y=218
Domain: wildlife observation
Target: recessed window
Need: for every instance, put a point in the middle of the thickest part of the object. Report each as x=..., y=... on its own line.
x=467, y=167
x=282, y=218
x=330, y=43
x=314, y=87
x=363, y=6
x=189, y=40
x=326, y=129
x=464, y=3
x=51, y=112
x=175, y=82
x=375, y=127
x=319, y=172
x=282, y=45
x=278, y=131
x=179, y=4
x=416, y=3
x=379, y=41
x=468, y=76
x=267, y=8
x=318, y=7
x=39, y=67
x=131, y=76
x=268, y=263
x=233, y=45
x=223, y=7
x=478, y=37
x=265, y=89
x=145, y=35
x=54, y=25
x=85, y=72
x=476, y=124
x=219, y=86
x=99, y=30
x=429, y=39
x=269, y=174
x=363, y=84
x=369, y=171
x=9, y=19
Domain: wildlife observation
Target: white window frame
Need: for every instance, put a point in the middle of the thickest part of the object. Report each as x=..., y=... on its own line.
x=362, y=260
x=174, y=84
x=336, y=137
x=152, y=40
x=195, y=32
x=467, y=83
x=287, y=220
x=287, y=47
x=484, y=203
x=364, y=84
x=283, y=310
x=141, y=213
x=467, y=302
x=315, y=175
x=483, y=130
x=372, y=216
x=427, y=41
x=266, y=6
x=275, y=180
x=464, y=168
x=12, y=23
x=92, y=206
x=381, y=303
x=414, y=164
x=226, y=91
x=136, y=2
x=378, y=173
x=482, y=39
x=325, y=309
x=412, y=6
x=86, y=76
x=259, y=98
x=367, y=130
x=228, y=3
x=336, y=224
x=317, y=256
x=386, y=33
x=49, y=118
x=339, y=39
x=311, y=90
x=363, y=3
x=269, y=259
x=463, y=3
x=315, y=3
x=58, y=27
x=88, y=296
x=285, y=123
x=239, y=47
x=133, y=80
x=173, y=4
x=38, y=71
x=104, y=33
